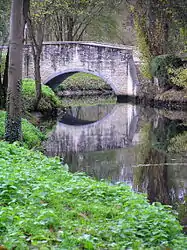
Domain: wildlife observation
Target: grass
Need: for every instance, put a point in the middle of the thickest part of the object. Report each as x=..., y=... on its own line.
x=87, y=101
x=83, y=81
x=48, y=102
x=32, y=136
x=43, y=206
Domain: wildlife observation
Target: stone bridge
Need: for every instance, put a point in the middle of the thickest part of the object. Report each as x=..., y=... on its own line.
x=59, y=60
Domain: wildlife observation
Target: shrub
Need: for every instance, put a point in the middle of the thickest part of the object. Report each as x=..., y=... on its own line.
x=178, y=76
x=83, y=81
x=48, y=102
x=178, y=143
x=32, y=136
x=159, y=67
x=2, y=66
x=45, y=207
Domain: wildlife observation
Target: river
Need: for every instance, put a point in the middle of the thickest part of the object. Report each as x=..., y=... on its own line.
x=140, y=146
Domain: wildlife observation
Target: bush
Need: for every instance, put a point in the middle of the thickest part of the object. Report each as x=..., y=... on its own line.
x=48, y=102
x=161, y=64
x=3, y=60
x=45, y=207
x=32, y=136
x=178, y=144
x=178, y=76
x=83, y=81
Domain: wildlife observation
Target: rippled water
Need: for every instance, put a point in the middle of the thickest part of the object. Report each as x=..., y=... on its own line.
x=121, y=142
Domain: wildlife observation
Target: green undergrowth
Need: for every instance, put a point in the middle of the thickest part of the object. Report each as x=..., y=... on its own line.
x=43, y=206
x=83, y=81
x=88, y=100
x=178, y=143
x=32, y=136
x=48, y=102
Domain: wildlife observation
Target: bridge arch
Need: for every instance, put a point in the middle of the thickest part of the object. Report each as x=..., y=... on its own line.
x=114, y=64
x=55, y=79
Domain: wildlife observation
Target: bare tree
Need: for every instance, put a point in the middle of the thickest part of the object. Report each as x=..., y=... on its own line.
x=13, y=120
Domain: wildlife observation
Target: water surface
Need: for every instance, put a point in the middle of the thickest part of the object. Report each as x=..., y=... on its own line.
x=126, y=143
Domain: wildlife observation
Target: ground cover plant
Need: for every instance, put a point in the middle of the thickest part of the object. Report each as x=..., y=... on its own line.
x=32, y=136
x=83, y=81
x=43, y=206
x=88, y=100
x=48, y=102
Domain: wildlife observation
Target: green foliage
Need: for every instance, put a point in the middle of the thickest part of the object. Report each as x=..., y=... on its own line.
x=143, y=47
x=48, y=102
x=4, y=20
x=88, y=100
x=83, y=81
x=32, y=136
x=178, y=76
x=2, y=61
x=161, y=64
x=178, y=143
x=45, y=207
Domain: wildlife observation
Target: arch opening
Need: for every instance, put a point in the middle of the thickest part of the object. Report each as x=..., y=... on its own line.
x=58, y=78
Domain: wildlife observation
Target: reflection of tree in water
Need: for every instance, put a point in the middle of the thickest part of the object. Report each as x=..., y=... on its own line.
x=153, y=177
x=165, y=130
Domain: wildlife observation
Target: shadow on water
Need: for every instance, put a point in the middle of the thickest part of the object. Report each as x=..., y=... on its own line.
x=142, y=147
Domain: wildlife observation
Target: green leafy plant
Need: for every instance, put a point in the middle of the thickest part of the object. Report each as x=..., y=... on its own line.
x=48, y=102
x=161, y=64
x=2, y=65
x=178, y=143
x=43, y=206
x=83, y=81
x=178, y=76
x=32, y=136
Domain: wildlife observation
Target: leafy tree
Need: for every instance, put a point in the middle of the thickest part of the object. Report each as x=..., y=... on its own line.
x=72, y=19
x=156, y=22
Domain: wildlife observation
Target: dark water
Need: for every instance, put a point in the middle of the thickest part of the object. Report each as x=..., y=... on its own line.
x=142, y=147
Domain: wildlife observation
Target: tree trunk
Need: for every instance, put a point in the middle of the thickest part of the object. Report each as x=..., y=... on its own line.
x=36, y=42
x=4, y=82
x=1, y=84
x=13, y=119
x=70, y=27
x=5, y=78
x=37, y=79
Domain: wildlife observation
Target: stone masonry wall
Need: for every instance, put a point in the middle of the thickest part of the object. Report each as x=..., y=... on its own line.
x=108, y=62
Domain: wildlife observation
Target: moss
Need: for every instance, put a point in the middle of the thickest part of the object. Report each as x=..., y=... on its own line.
x=48, y=102
x=32, y=137
x=83, y=81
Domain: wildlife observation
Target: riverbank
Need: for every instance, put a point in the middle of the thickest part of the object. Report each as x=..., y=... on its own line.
x=72, y=211
x=151, y=94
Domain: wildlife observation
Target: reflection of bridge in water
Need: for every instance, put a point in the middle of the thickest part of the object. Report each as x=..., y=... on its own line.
x=117, y=129
x=111, y=148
